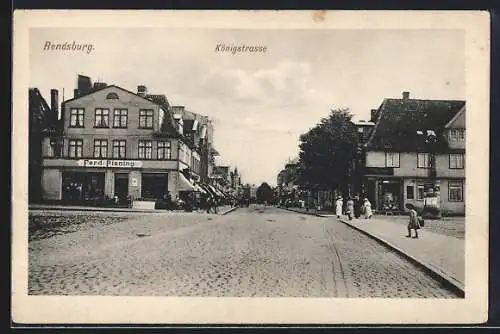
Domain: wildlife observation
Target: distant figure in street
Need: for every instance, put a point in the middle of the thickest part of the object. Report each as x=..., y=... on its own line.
x=413, y=224
x=214, y=204
x=357, y=207
x=350, y=208
x=209, y=203
x=338, y=206
x=367, y=208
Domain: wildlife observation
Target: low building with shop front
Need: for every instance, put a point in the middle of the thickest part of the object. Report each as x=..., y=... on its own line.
x=115, y=143
x=416, y=147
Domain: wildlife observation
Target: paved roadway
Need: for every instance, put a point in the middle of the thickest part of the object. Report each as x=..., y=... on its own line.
x=256, y=251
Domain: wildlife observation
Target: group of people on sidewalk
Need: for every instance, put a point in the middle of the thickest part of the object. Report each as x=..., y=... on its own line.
x=355, y=207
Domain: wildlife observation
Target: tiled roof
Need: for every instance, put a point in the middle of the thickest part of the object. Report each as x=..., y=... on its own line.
x=399, y=120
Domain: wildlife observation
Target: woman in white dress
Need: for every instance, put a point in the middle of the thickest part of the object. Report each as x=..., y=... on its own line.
x=338, y=206
x=367, y=208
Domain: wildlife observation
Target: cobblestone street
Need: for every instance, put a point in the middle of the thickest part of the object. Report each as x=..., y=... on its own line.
x=259, y=251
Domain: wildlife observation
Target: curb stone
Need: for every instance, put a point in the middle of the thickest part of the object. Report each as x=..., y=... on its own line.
x=306, y=213
x=458, y=286
x=228, y=211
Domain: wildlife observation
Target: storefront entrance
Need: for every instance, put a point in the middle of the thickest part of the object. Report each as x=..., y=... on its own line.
x=82, y=186
x=121, y=185
x=154, y=185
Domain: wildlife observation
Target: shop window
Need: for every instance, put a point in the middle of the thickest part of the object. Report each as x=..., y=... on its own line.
x=423, y=160
x=120, y=118
x=100, y=148
x=164, y=150
x=420, y=192
x=75, y=148
x=392, y=159
x=456, y=161
x=82, y=186
x=154, y=185
x=145, y=149
x=410, y=192
x=146, y=119
x=455, y=191
x=101, y=118
x=119, y=149
x=76, y=118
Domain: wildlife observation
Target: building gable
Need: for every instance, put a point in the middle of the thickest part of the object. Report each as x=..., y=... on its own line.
x=458, y=121
x=111, y=94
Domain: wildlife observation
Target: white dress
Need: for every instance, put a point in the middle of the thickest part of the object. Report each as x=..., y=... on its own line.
x=338, y=207
x=368, y=209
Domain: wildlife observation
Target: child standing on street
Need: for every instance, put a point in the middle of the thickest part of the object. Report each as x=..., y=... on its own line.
x=413, y=224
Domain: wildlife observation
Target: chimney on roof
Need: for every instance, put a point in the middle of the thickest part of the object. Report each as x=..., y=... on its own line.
x=142, y=90
x=99, y=85
x=373, y=115
x=54, y=101
x=76, y=93
x=406, y=95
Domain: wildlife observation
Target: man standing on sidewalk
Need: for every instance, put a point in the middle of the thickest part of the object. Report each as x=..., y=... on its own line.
x=413, y=224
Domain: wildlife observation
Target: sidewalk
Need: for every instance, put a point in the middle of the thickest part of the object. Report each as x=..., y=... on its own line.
x=222, y=210
x=444, y=255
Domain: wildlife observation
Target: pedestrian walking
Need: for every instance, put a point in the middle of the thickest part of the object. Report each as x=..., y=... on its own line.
x=215, y=204
x=350, y=208
x=367, y=208
x=339, y=203
x=413, y=223
x=209, y=203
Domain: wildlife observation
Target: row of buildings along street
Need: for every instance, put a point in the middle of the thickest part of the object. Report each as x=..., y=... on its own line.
x=112, y=146
x=411, y=150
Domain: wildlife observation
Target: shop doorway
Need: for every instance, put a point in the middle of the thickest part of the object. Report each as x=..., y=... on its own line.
x=121, y=185
x=154, y=185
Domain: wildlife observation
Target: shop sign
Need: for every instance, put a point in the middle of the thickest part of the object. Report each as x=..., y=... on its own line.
x=105, y=163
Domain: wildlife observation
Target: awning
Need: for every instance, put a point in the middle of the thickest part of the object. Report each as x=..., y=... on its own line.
x=215, y=191
x=208, y=190
x=200, y=189
x=185, y=184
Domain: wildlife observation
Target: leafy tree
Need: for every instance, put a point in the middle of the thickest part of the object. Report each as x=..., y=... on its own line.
x=327, y=151
x=265, y=193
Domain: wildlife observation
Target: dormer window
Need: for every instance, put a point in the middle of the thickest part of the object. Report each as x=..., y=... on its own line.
x=112, y=96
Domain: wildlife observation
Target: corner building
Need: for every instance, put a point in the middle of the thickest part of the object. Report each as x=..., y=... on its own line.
x=112, y=143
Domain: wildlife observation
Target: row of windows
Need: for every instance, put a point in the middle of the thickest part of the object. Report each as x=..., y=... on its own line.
x=101, y=118
x=455, y=191
x=119, y=149
x=456, y=135
x=456, y=160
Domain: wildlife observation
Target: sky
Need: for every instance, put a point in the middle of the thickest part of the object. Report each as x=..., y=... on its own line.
x=260, y=103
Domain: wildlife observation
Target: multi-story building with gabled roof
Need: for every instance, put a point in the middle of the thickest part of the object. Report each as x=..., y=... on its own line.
x=416, y=147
